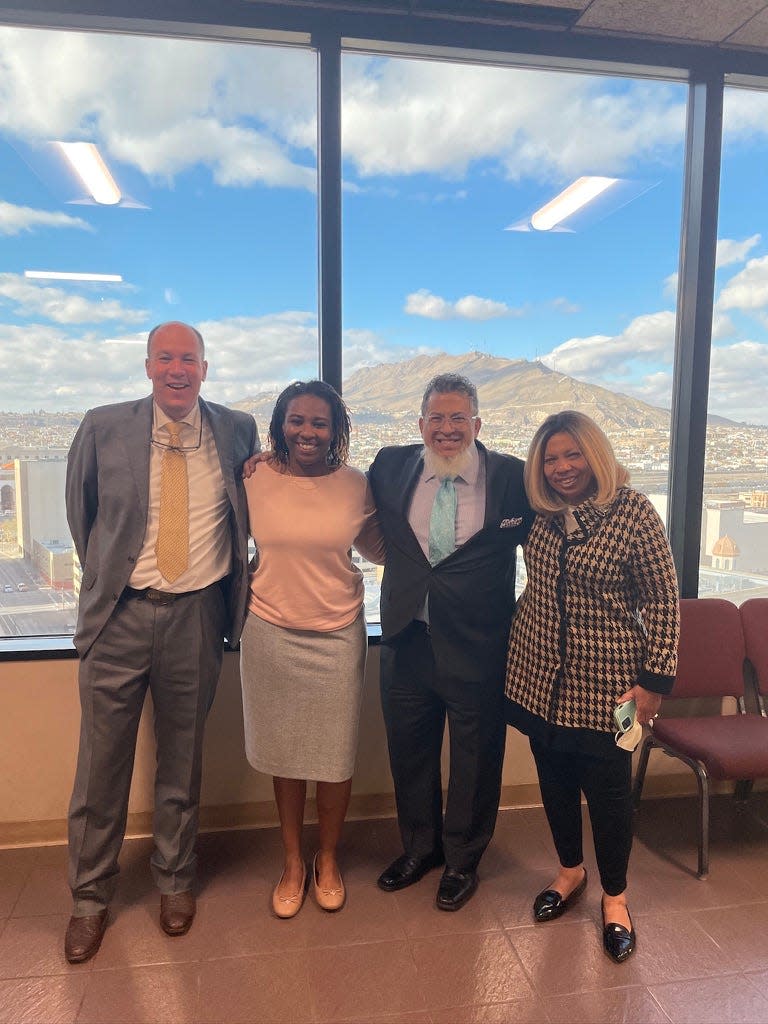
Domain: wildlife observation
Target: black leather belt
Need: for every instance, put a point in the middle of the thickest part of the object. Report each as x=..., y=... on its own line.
x=155, y=596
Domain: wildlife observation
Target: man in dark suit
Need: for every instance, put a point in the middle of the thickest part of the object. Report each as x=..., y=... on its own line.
x=453, y=514
x=164, y=579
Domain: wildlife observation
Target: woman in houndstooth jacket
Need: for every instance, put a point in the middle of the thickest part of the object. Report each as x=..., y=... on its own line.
x=597, y=625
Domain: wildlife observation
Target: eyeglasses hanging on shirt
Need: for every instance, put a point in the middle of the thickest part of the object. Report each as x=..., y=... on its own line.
x=164, y=445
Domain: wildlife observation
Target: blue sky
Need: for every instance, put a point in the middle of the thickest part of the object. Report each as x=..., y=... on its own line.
x=213, y=146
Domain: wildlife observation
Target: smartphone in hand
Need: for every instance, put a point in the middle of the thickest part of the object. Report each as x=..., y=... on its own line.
x=624, y=716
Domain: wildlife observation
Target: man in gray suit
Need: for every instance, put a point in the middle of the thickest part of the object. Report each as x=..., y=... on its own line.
x=141, y=628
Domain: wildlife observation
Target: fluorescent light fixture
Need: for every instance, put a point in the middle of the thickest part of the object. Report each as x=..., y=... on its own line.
x=60, y=275
x=92, y=171
x=571, y=199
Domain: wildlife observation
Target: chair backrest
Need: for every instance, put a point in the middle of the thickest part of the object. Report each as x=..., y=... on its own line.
x=710, y=659
x=754, y=622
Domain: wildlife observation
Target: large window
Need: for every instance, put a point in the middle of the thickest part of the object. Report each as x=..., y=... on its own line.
x=209, y=217
x=734, y=544
x=452, y=259
x=449, y=265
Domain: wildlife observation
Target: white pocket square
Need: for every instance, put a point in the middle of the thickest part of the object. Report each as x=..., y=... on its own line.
x=507, y=524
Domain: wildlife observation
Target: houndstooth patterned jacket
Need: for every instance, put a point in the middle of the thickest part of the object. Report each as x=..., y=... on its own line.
x=599, y=613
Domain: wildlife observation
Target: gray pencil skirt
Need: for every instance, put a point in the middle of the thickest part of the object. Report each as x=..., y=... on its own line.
x=301, y=698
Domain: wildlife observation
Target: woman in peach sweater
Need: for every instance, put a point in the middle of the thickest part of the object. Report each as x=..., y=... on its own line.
x=304, y=643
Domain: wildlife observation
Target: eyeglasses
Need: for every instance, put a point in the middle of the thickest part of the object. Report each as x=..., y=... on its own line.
x=180, y=447
x=457, y=419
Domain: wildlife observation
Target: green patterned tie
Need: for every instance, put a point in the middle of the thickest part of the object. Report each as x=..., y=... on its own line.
x=442, y=522
x=172, y=547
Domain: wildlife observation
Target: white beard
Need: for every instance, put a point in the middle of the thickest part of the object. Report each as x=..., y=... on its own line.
x=447, y=466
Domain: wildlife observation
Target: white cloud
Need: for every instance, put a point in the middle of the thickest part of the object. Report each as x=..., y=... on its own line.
x=247, y=356
x=246, y=112
x=469, y=307
x=15, y=219
x=563, y=305
x=738, y=374
x=722, y=326
x=730, y=251
x=237, y=156
x=367, y=348
x=60, y=306
x=602, y=357
x=654, y=388
x=407, y=117
x=727, y=252
x=745, y=114
x=748, y=289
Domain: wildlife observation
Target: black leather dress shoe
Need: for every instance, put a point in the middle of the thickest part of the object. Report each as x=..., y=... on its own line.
x=619, y=942
x=549, y=904
x=456, y=887
x=407, y=870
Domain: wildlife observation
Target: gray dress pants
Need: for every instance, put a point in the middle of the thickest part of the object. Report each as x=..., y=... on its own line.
x=174, y=651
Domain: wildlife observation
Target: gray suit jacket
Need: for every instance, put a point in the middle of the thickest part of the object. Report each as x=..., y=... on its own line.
x=107, y=494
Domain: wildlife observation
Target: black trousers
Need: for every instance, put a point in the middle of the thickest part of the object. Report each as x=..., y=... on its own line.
x=416, y=702
x=606, y=784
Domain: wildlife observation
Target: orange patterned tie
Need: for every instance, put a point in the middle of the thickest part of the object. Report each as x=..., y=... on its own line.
x=172, y=547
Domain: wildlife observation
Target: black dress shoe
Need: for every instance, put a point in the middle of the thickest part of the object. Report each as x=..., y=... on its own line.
x=619, y=942
x=549, y=904
x=456, y=887
x=407, y=870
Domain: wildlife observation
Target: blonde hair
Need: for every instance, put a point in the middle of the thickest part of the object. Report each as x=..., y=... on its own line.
x=595, y=447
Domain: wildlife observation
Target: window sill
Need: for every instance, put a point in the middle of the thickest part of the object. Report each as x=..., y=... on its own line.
x=50, y=648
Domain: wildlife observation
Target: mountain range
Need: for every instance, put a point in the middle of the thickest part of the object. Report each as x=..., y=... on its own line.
x=511, y=391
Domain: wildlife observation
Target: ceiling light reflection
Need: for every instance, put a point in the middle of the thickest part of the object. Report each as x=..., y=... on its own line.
x=61, y=275
x=92, y=171
x=578, y=194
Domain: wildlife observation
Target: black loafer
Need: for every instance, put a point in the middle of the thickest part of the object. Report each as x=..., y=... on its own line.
x=549, y=904
x=407, y=870
x=619, y=942
x=456, y=887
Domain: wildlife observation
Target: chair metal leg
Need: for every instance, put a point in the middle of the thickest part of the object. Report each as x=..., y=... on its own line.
x=742, y=790
x=703, y=782
x=642, y=766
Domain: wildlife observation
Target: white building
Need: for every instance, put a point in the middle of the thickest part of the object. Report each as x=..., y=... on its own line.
x=41, y=520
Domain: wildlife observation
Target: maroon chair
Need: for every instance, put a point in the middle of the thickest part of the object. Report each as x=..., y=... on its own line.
x=733, y=747
x=754, y=623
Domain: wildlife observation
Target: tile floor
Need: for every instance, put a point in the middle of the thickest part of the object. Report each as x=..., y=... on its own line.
x=702, y=946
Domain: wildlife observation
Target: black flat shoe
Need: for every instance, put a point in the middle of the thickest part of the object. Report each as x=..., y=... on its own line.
x=456, y=887
x=407, y=870
x=549, y=904
x=619, y=942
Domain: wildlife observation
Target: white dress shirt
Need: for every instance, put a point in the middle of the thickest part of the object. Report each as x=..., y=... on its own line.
x=210, y=539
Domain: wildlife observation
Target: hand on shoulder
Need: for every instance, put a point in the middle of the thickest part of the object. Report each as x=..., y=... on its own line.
x=250, y=464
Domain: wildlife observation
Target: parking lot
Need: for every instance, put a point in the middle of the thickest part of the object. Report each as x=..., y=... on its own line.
x=29, y=606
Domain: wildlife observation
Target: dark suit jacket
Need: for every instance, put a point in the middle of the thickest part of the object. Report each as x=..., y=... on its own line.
x=472, y=592
x=107, y=494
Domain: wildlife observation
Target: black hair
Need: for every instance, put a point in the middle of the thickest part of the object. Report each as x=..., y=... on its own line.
x=340, y=425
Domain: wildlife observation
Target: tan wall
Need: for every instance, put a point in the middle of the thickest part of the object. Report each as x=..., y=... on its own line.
x=39, y=722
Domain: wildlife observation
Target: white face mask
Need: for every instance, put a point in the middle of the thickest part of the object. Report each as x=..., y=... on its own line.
x=628, y=740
